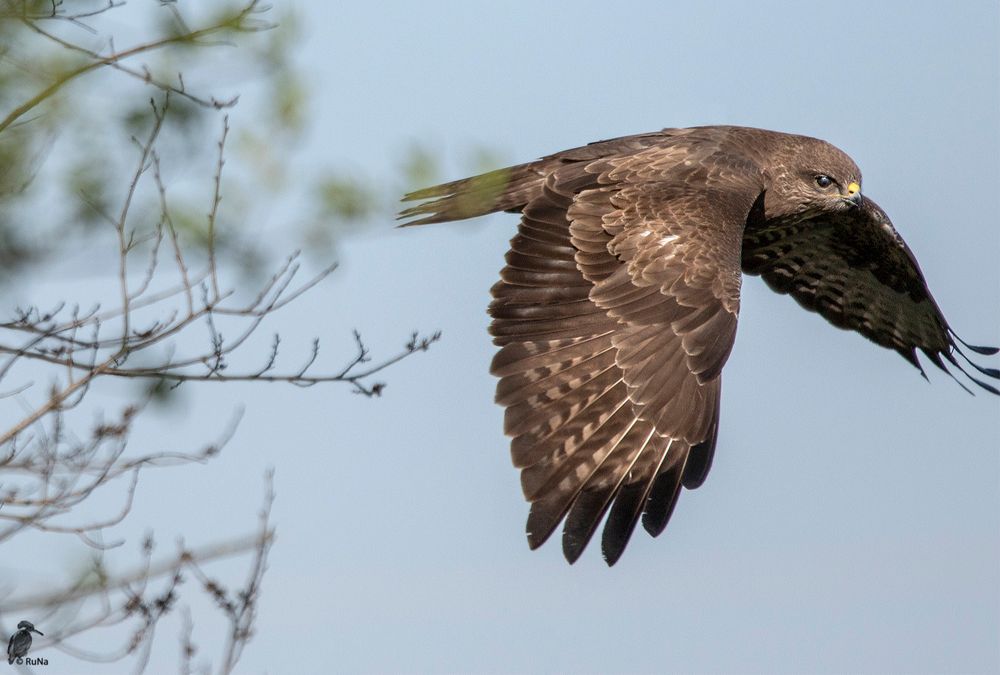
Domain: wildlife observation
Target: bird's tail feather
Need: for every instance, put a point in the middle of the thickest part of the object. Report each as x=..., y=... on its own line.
x=501, y=190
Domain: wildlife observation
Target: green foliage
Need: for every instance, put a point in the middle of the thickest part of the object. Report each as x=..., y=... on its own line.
x=420, y=167
x=75, y=91
x=346, y=198
x=72, y=95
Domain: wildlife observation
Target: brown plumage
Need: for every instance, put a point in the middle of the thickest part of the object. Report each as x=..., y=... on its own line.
x=617, y=308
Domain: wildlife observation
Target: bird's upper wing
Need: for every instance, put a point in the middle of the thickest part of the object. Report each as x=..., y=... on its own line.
x=615, y=312
x=856, y=271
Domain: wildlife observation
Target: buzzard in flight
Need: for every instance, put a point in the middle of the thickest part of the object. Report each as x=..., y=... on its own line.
x=616, y=310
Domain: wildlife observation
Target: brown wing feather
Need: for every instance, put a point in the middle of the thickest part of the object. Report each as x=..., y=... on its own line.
x=617, y=307
x=854, y=269
x=608, y=389
x=512, y=188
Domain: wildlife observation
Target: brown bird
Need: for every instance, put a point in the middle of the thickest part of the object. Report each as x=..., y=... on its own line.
x=617, y=308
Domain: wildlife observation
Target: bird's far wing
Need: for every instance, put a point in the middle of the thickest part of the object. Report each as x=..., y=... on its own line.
x=855, y=270
x=615, y=326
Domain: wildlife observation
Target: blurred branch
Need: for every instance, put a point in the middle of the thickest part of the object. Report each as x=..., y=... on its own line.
x=103, y=599
x=89, y=345
x=170, y=280
x=124, y=580
x=241, y=21
x=78, y=343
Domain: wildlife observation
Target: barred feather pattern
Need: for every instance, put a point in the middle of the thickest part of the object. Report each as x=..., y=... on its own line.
x=617, y=307
x=602, y=404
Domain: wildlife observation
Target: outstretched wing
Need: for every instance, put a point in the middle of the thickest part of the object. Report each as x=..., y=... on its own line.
x=854, y=269
x=616, y=312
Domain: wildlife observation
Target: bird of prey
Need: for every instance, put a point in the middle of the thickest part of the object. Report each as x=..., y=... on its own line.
x=20, y=642
x=617, y=308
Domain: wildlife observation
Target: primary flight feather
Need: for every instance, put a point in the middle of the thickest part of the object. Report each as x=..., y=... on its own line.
x=617, y=308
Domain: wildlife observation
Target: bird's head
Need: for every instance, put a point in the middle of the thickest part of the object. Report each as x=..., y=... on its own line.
x=28, y=626
x=813, y=177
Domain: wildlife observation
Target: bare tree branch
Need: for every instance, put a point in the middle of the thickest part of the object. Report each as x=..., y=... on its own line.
x=241, y=21
x=49, y=468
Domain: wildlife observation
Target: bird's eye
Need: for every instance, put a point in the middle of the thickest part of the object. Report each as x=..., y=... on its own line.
x=824, y=181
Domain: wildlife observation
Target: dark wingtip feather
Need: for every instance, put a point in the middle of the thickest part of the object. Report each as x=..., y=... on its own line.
x=992, y=373
x=911, y=356
x=985, y=351
x=662, y=499
x=935, y=358
x=700, y=455
x=988, y=387
x=938, y=358
x=699, y=463
x=988, y=372
x=622, y=521
x=543, y=519
x=582, y=522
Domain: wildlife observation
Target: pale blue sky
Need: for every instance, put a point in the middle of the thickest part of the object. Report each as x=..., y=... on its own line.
x=851, y=522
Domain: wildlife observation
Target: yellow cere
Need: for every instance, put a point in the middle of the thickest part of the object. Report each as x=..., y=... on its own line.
x=853, y=188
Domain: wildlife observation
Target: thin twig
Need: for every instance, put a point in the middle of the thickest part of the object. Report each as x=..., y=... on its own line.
x=98, y=61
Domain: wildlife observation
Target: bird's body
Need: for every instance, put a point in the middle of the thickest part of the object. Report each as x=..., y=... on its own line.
x=20, y=641
x=618, y=305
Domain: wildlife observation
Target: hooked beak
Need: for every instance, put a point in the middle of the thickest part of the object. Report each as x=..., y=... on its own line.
x=853, y=194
